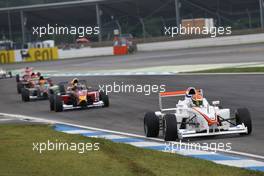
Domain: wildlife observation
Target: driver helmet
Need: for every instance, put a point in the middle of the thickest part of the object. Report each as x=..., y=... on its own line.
x=42, y=80
x=190, y=92
x=28, y=70
x=197, y=99
x=75, y=81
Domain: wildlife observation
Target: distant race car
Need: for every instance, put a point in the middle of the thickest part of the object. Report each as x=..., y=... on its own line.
x=195, y=117
x=26, y=75
x=5, y=74
x=37, y=89
x=83, y=97
x=27, y=79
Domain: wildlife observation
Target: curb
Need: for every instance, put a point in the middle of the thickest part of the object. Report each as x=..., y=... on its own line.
x=217, y=158
x=244, y=160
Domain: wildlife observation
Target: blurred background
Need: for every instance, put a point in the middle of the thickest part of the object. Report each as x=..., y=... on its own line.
x=142, y=20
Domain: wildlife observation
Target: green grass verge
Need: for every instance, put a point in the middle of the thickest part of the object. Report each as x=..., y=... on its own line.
x=233, y=70
x=18, y=158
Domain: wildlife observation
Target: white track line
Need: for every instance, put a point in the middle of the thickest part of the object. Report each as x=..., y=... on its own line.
x=195, y=152
x=6, y=119
x=122, y=133
x=112, y=136
x=206, y=74
x=240, y=163
x=77, y=131
x=145, y=144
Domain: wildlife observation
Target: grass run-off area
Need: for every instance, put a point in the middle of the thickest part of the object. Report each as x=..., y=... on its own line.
x=17, y=157
x=233, y=70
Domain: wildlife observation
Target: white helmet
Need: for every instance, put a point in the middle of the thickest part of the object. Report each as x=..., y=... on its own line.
x=190, y=92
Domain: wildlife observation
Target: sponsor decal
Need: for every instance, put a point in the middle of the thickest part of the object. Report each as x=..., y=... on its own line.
x=7, y=57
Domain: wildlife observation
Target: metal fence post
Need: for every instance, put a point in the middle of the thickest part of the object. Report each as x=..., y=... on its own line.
x=177, y=12
x=22, y=28
x=98, y=19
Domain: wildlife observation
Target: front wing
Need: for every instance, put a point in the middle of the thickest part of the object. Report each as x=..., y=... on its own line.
x=239, y=129
x=95, y=104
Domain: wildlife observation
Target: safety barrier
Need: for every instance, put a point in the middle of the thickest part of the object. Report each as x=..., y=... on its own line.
x=7, y=57
x=85, y=52
x=169, y=45
x=28, y=55
x=46, y=54
x=204, y=42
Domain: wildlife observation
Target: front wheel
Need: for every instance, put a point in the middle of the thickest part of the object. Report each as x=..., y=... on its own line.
x=58, y=104
x=51, y=101
x=170, y=127
x=25, y=95
x=17, y=78
x=20, y=86
x=151, y=124
x=104, y=98
x=243, y=116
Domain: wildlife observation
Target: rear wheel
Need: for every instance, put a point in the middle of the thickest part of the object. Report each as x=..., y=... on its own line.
x=243, y=116
x=58, y=104
x=62, y=89
x=25, y=95
x=151, y=124
x=104, y=98
x=170, y=127
x=45, y=96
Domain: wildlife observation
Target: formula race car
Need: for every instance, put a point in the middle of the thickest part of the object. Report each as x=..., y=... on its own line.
x=79, y=97
x=195, y=117
x=37, y=89
x=5, y=74
x=27, y=79
x=26, y=75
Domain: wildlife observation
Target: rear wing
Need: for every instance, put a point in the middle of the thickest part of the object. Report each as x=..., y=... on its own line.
x=181, y=93
x=68, y=83
x=169, y=94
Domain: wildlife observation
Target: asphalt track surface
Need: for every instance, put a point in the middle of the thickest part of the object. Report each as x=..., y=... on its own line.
x=210, y=55
x=127, y=109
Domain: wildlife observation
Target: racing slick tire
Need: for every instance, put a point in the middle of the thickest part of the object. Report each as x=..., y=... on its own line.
x=103, y=97
x=45, y=96
x=19, y=87
x=51, y=101
x=151, y=124
x=170, y=127
x=243, y=116
x=25, y=95
x=58, y=104
x=17, y=78
x=10, y=74
x=62, y=89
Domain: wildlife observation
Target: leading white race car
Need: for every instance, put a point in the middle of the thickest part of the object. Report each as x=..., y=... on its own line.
x=195, y=117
